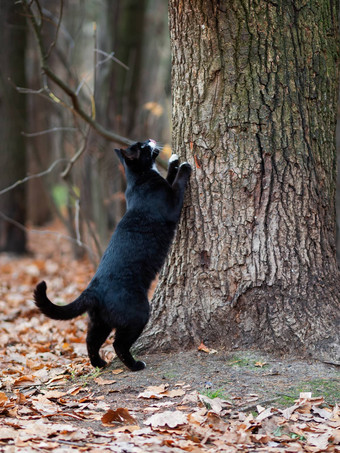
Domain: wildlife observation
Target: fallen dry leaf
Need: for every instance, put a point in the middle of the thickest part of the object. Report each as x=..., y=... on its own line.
x=24, y=381
x=172, y=419
x=260, y=364
x=44, y=406
x=101, y=381
x=174, y=393
x=120, y=415
x=266, y=413
x=159, y=392
x=154, y=392
x=3, y=398
x=202, y=347
x=217, y=405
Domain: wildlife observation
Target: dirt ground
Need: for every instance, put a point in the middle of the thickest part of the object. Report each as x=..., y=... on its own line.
x=246, y=378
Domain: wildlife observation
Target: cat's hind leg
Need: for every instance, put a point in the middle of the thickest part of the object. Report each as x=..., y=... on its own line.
x=124, y=339
x=96, y=335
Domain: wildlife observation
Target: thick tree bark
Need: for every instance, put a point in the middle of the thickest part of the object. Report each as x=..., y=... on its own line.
x=13, y=115
x=338, y=187
x=254, y=111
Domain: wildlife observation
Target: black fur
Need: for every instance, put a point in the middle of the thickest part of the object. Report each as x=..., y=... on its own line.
x=116, y=297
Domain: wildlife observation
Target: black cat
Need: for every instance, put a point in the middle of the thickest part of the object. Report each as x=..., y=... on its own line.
x=116, y=297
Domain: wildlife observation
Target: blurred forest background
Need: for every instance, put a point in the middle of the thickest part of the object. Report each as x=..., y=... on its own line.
x=116, y=56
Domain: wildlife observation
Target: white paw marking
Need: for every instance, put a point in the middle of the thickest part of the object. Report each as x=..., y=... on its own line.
x=173, y=157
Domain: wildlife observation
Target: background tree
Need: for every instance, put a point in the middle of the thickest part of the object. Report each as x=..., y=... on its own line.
x=80, y=69
x=254, y=111
x=130, y=97
x=13, y=117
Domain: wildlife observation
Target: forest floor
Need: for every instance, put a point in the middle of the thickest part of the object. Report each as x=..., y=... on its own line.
x=201, y=400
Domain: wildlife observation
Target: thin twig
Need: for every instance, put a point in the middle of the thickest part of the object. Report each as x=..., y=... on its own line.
x=53, y=43
x=54, y=20
x=48, y=131
x=40, y=13
x=111, y=136
x=90, y=229
x=36, y=175
x=23, y=90
x=76, y=156
x=110, y=56
x=76, y=221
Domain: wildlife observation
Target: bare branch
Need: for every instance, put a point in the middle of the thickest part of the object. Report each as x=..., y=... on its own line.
x=48, y=131
x=40, y=12
x=76, y=221
x=55, y=21
x=90, y=229
x=36, y=175
x=84, y=80
x=53, y=43
x=24, y=90
x=110, y=56
x=111, y=136
x=76, y=156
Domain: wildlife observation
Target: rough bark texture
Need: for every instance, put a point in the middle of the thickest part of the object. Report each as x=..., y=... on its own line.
x=13, y=115
x=338, y=187
x=254, y=112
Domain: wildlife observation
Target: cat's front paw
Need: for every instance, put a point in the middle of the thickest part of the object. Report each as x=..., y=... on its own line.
x=185, y=168
x=174, y=159
x=138, y=366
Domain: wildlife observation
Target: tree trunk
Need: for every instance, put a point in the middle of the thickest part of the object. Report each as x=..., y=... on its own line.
x=13, y=115
x=254, y=111
x=42, y=116
x=103, y=183
x=338, y=187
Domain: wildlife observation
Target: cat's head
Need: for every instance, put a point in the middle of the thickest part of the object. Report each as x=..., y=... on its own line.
x=140, y=156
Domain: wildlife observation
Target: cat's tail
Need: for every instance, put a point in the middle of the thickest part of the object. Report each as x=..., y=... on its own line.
x=69, y=311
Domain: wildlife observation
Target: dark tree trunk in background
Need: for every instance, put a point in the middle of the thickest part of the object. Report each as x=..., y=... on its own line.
x=103, y=179
x=141, y=94
x=126, y=85
x=130, y=101
x=153, y=111
x=12, y=123
x=44, y=148
x=254, y=110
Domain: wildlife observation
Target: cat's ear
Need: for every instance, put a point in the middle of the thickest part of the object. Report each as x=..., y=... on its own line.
x=119, y=154
x=131, y=153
